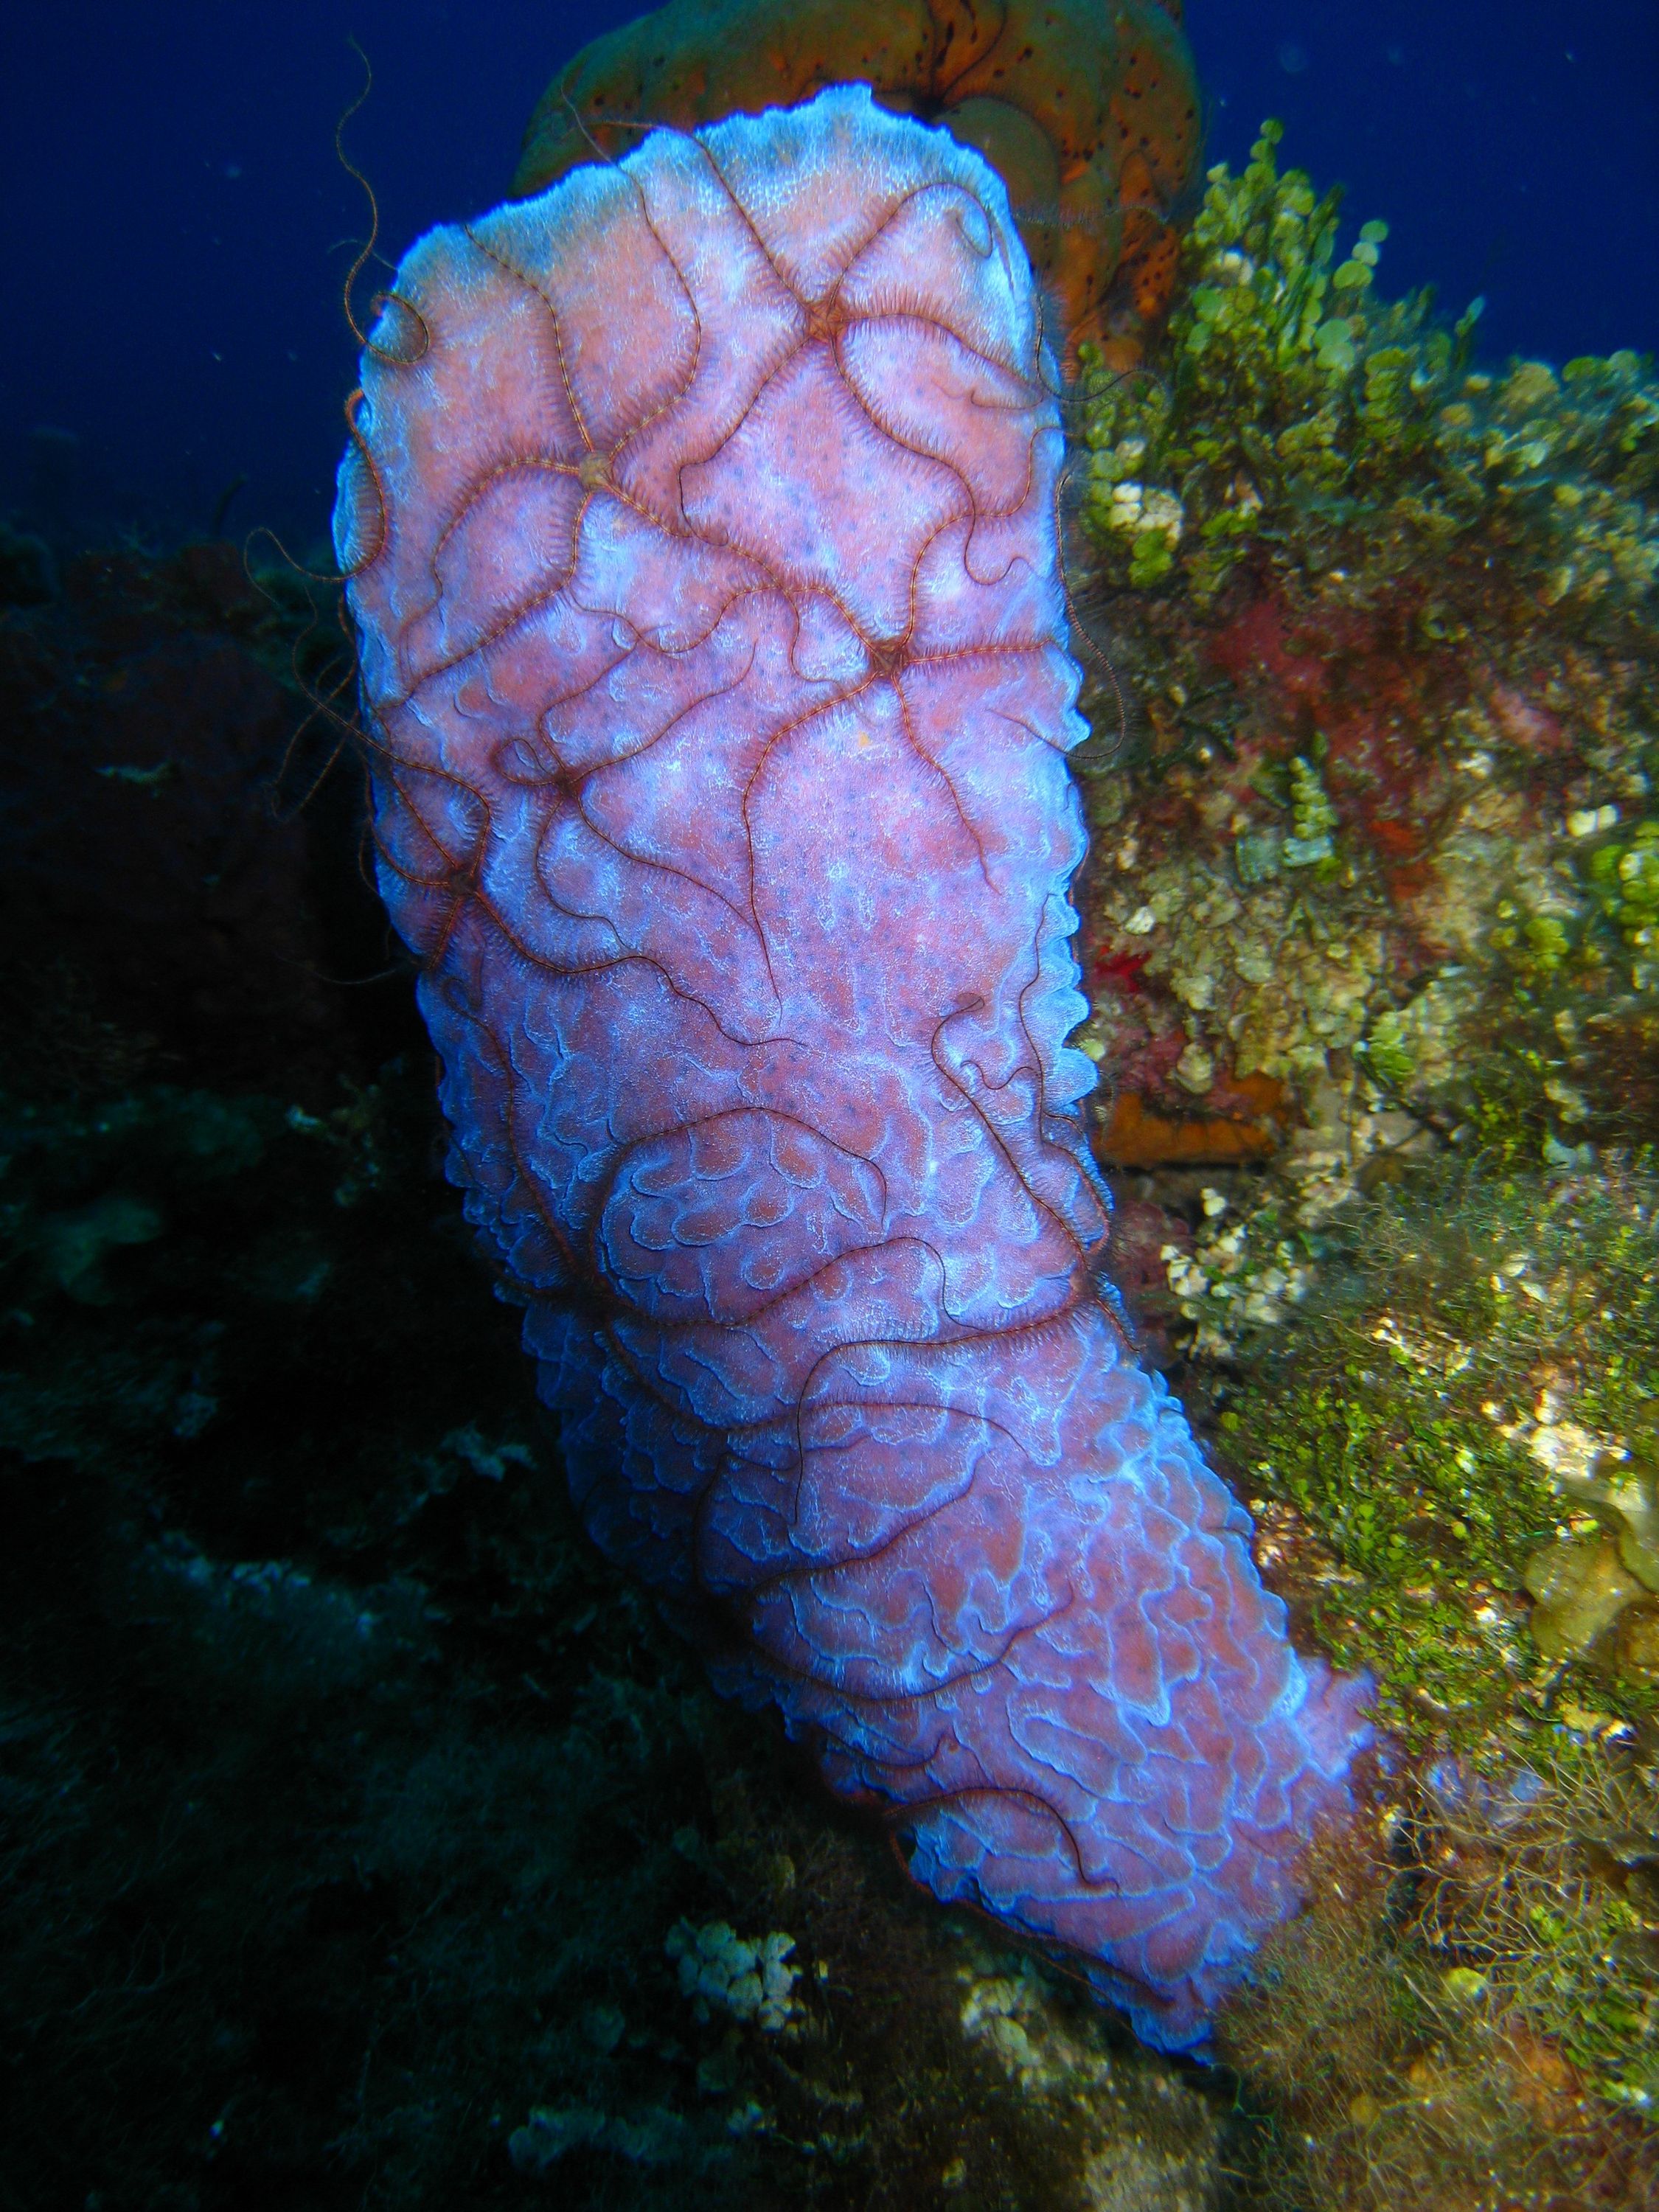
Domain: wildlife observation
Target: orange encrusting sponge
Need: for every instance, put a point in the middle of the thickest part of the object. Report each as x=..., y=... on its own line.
x=1089, y=113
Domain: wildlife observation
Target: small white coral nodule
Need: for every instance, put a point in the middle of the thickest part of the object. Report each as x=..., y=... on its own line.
x=721, y=1972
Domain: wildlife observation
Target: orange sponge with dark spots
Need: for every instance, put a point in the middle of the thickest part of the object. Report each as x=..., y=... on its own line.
x=1088, y=110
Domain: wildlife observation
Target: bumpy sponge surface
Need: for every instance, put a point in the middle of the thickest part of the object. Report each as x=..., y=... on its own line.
x=701, y=513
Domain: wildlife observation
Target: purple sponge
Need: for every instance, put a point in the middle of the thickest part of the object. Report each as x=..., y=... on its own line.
x=701, y=515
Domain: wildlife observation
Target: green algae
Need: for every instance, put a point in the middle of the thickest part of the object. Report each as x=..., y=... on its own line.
x=1475, y=1337
x=1447, y=1443
x=1467, y=2013
x=1313, y=819
x=1293, y=414
x=1381, y=838
x=1409, y=831
x=1622, y=875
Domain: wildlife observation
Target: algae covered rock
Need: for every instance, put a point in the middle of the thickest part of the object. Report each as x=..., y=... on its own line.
x=1579, y=1591
x=1372, y=799
x=1297, y=408
x=1583, y=1585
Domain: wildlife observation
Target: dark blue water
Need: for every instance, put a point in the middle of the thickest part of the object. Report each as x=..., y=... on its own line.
x=176, y=225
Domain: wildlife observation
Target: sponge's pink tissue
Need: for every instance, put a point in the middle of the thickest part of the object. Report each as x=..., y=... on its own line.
x=700, y=520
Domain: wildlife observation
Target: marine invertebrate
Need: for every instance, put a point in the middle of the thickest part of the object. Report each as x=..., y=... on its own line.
x=1088, y=114
x=701, y=529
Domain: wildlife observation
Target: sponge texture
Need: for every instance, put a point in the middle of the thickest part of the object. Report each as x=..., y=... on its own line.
x=702, y=520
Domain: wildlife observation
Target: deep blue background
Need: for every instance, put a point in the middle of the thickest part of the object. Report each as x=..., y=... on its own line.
x=175, y=221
